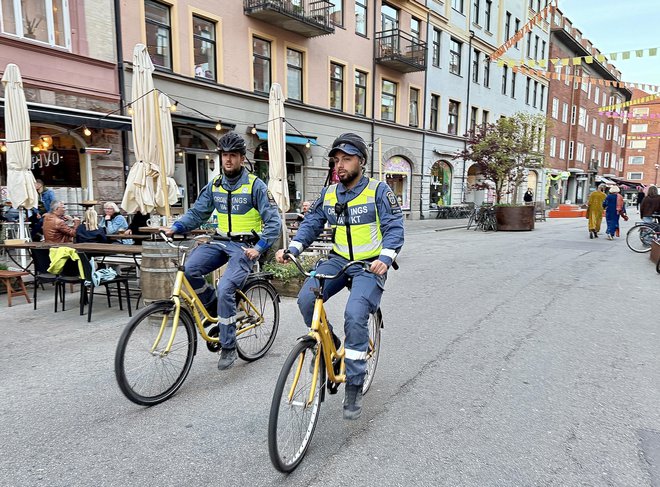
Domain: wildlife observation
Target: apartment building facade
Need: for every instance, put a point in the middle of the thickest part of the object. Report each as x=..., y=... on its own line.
x=581, y=143
x=465, y=88
x=66, y=53
x=642, y=151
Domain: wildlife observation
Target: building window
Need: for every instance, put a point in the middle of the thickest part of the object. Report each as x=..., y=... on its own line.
x=40, y=20
x=388, y=101
x=582, y=117
x=436, y=48
x=457, y=5
x=635, y=176
x=452, y=123
x=361, y=17
x=413, y=114
x=505, y=75
x=487, y=13
x=487, y=72
x=516, y=30
x=441, y=178
x=513, y=84
x=507, y=26
x=159, y=33
x=636, y=160
x=294, y=74
x=484, y=119
x=415, y=27
x=602, y=130
x=639, y=112
x=573, y=114
x=475, y=66
x=337, y=14
x=536, y=47
x=336, y=86
x=542, y=97
x=473, y=119
x=580, y=152
x=398, y=176
x=435, y=104
x=475, y=11
x=555, y=108
x=455, y=49
x=360, y=93
x=553, y=146
x=562, y=149
x=204, y=47
x=528, y=85
x=570, y=150
x=638, y=144
x=637, y=128
x=542, y=49
x=594, y=126
x=261, y=64
x=616, y=133
x=608, y=133
x=564, y=113
x=529, y=44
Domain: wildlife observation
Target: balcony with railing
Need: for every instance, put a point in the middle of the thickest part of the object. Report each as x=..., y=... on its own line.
x=401, y=51
x=309, y=18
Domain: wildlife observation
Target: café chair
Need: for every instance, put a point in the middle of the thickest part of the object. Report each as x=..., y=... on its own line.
x=88, y=287
x=68, y=275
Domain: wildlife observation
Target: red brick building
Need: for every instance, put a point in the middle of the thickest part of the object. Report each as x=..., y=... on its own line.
x=642, y=151
x=580, y=141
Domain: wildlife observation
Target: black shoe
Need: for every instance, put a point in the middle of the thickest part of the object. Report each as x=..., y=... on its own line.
x=591, y=234
x=595, y=234
x=353, y=401
x=227, y=358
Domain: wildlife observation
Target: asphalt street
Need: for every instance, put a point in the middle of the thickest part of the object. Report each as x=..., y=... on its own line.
x=508, y=359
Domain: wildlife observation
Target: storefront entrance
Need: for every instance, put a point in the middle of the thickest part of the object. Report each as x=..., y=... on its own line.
x=294, y=163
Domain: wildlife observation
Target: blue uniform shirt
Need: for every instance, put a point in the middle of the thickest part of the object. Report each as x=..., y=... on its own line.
x=389, y=212
x=204, y=206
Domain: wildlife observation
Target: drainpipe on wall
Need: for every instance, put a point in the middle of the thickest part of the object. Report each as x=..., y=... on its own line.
x=121, y=80
x=426, y=77
x=467, y=111
x=373, y=92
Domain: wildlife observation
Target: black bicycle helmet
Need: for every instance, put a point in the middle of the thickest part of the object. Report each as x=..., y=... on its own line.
x=348, y=143
x=232, y=142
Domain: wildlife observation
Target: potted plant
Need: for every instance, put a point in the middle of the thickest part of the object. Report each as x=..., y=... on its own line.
x=287, y=279
x=503, y=152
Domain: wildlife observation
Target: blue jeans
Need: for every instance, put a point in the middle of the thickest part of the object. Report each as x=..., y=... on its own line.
x=207, y=258
x=366, y=291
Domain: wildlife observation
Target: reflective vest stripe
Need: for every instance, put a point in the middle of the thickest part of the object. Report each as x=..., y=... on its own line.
x=388, y=253
x=355, y=355
x=245, y=217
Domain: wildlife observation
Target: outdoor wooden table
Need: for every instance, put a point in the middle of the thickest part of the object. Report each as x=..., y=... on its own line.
x=123, y=236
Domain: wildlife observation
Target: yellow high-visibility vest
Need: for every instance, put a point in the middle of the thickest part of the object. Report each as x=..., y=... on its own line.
x=236, y=213
x=358, y=236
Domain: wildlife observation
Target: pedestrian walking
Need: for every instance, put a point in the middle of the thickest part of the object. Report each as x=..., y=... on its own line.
x=595, y=210
x=614, y=208
x=640, y=197
x=650, y=205
x=529, y=197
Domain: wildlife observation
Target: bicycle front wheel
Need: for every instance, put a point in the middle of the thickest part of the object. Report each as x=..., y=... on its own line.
x=639, y=238
x=145, y=372
x=259, y=320
x=293, y=415
x=375, y=324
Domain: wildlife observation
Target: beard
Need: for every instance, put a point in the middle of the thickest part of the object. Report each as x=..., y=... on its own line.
x=232, y=173
x=349, y=177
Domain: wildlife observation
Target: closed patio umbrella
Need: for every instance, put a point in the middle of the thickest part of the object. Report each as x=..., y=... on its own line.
x=20, y=180
x=140, y=190
x=166, y=154
x=277, y=179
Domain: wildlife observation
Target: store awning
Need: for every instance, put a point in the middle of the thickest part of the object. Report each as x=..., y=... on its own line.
x=290, y=138
x=601, y=179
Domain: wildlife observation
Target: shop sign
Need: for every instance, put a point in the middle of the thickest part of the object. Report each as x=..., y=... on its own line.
x=45, y=158
x=582, y=177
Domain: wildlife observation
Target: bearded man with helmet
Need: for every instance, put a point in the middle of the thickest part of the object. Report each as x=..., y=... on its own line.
x=244, y=207
x=367, y=224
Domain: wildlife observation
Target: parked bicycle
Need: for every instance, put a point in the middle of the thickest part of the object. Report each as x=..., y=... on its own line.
x=301, y=385
x=156, y=349
x=640, y=237
x=482, y=218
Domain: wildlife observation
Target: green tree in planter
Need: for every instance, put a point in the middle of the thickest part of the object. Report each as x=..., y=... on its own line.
x=502, y=151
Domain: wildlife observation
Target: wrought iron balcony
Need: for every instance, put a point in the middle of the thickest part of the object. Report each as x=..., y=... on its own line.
x=400, y=51
x=309, y=18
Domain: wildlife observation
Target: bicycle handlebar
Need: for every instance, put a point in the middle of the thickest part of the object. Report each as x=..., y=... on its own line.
x=362, y=263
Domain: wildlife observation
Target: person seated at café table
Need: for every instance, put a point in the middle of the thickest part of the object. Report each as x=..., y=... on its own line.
x=89, y=230
x=139, y=220
x=114, y=222
x=56, y=229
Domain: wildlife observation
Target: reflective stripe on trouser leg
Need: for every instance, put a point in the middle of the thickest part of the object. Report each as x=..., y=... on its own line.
x=204, y=259
x=227, y=332
x=365, y=297
x=238, y=268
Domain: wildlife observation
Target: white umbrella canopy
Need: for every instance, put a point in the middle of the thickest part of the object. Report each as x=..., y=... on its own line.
x=166, y=154
x=20, y=180
x=139, y=193
x=277, y=182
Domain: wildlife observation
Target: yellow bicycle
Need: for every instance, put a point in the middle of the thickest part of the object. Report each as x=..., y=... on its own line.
x=301, y=385
x=156, y=349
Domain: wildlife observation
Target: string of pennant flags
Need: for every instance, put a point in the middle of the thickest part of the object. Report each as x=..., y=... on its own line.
x=541, y=15
x=578, y=60
x=630, y=116
x=639, y=101
x=644, y=137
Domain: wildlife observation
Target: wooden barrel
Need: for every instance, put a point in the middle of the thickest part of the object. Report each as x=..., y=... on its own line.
x=157, y=271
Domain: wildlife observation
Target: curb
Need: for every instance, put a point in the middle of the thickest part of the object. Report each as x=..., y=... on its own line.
x=450, y=228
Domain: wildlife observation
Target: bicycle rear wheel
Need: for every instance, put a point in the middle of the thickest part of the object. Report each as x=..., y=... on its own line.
x=639, y=238
x=375, y=324
x=257, y=326
x=145, y=373
x=293, y=416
